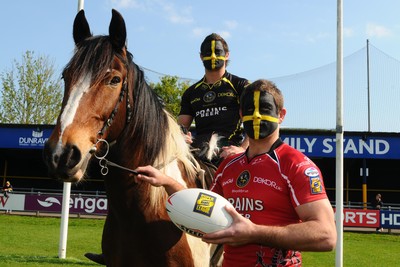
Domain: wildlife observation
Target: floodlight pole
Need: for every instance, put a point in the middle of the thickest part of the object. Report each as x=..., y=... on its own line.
x=339, y=137
x=62, y=247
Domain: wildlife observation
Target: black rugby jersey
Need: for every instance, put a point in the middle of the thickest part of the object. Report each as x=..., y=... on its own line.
x=215, y=108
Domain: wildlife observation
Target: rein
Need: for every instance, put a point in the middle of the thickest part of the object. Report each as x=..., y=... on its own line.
x=104, y=163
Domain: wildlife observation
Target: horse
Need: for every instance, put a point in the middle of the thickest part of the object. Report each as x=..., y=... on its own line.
x=110, y=115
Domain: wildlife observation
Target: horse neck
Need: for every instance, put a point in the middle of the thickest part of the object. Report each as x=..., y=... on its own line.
x=152, y=137
x=173, y=158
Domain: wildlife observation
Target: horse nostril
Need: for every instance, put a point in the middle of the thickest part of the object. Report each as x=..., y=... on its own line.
x=62, y=161
x=72, y=156
x=48, y=157
x=55, y=159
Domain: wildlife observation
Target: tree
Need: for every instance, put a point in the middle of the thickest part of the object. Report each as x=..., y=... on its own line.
x=170, y=90
x=30, y=94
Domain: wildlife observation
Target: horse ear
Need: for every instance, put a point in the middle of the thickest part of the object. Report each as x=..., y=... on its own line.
x=117, y=30
x=81, y=27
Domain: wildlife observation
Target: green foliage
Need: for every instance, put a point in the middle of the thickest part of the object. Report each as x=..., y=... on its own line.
x=29, y=93
x=170, y=89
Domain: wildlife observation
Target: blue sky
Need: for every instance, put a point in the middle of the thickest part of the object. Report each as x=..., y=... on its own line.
x=267, y=38
x=292, y=42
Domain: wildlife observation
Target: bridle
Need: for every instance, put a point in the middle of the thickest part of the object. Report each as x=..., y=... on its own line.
x=109, y=121
x=103, y=162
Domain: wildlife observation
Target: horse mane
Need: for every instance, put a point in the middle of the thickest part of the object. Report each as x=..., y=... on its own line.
x=156, y=133
x=93, y=55
x=154, y=136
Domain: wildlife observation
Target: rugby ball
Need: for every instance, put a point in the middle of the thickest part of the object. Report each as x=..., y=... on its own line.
x=198, y=211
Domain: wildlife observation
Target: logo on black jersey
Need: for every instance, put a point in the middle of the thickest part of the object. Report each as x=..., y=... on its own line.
x=243, y=179
x=209, y=96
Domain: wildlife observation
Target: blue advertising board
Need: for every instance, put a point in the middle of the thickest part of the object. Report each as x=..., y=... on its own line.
x=390, y=219
x=376, y=147
x=24, y=138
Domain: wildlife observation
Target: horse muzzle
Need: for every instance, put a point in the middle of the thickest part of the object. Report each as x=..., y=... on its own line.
x=65, y=163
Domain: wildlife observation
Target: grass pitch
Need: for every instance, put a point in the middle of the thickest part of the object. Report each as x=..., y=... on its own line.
x=34, y=241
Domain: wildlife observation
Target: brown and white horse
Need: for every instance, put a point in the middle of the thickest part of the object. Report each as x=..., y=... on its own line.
x=111, y=116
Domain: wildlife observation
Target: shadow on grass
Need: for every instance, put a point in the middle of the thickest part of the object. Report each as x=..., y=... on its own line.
x=42, y=260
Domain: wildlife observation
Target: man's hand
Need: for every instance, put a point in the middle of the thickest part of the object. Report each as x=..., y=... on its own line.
x=188, y=138
x=231, y=150
x=157, y=178
x=239, y=233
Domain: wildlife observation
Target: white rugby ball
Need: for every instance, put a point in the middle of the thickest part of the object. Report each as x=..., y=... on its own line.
x=198, y=211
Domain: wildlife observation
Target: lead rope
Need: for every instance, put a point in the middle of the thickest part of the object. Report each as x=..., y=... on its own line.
x=103, y=162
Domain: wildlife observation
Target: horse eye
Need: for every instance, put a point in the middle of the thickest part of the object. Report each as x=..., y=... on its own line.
x=115, y=80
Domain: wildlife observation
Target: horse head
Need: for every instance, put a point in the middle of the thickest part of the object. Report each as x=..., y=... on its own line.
x=108, y=106
x=96, y=81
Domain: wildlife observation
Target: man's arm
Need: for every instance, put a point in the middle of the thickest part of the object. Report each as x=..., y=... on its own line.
x=232, y=150
x=157, y=178
x=316, y=232
x=185, y=121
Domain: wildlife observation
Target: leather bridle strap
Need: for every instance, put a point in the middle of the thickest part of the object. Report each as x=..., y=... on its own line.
x=109, y=121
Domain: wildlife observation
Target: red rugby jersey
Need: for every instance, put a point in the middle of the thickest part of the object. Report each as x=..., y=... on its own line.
x=266, y=190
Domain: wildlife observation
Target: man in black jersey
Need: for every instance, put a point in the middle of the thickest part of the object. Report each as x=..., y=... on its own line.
x=213, y=102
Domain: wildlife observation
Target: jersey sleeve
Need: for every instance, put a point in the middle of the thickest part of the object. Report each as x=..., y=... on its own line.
x=304, y=178
x=186, y=108
x=216, y=185
x=242, y=85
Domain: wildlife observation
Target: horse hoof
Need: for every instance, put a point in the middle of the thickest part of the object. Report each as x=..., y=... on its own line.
x=97, y=258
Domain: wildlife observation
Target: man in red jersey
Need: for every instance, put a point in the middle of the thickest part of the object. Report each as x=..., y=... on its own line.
x=278, y=195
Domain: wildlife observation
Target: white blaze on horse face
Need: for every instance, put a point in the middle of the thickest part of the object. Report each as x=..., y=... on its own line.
x=69, y=112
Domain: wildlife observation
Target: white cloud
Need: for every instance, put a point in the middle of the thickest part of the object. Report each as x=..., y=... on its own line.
x=203, y=32
x=225, y=34
x=175, y=15
x=200, y=32
x=119, y=4
x=231, y=24
x=374, y=30
x=348, y=32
